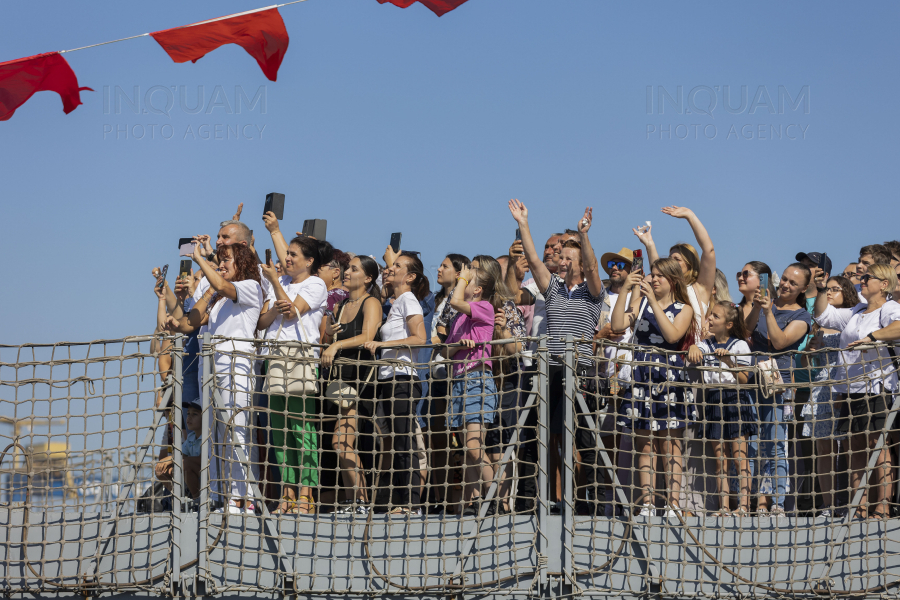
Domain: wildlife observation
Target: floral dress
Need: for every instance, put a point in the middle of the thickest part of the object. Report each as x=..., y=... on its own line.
x=652, y=403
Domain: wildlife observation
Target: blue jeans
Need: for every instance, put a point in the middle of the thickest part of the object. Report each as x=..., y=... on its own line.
x=769, y=449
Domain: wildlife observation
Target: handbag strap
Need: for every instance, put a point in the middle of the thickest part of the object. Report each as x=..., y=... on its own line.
x=299, y=323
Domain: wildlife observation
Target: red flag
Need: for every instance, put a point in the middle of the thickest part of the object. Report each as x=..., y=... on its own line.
x=262, y=34
x=438, y=7
x=21, y=78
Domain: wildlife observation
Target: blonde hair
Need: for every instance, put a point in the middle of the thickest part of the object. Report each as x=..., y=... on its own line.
x=690, y=256
x=885, y=273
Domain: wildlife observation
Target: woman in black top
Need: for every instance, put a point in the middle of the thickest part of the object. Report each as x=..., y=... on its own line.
x=358, y=319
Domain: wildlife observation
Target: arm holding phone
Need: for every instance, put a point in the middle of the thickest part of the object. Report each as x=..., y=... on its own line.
x=515, y=275
x=541, y=274
x=371, y=322
x=588, y=258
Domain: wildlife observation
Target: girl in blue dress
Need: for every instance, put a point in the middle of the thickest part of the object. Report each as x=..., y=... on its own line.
x=655, y=408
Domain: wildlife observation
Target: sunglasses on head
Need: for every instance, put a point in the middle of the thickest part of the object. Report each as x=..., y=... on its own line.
x=619, y=264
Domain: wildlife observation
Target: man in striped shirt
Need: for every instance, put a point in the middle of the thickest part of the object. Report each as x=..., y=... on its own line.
x=574, y=299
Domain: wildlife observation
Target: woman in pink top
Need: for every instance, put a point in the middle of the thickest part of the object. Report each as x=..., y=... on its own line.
x=473, y=399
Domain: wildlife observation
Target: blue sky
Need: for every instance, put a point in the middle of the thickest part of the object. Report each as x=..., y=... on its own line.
x=389, y=120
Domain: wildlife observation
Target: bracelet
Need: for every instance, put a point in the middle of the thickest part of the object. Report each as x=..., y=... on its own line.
x=464, y=279
x=872, y=337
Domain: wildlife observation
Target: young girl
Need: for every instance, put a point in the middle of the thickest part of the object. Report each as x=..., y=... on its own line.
x=730, y=412
x=474, y=395
x=654, y=408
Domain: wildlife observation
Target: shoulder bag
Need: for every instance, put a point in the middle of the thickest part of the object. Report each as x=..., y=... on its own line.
x=291, y=371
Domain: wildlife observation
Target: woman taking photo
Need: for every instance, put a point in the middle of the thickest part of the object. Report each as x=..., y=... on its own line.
x=397, y=387
x=699, y=270
x=652, y=408
x=869, y=378
x=292, y=418
x=231, y=308
x=358, y=319
x=778, y=326
x=820, y=410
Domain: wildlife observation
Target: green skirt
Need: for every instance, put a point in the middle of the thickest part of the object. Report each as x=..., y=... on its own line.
x=295, y=441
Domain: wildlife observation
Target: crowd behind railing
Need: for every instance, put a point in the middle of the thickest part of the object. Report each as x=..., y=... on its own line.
x=348, y=386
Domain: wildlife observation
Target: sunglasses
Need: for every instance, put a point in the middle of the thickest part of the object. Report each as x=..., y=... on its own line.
x=618, y=264
x=865, y=278
x=745, y=274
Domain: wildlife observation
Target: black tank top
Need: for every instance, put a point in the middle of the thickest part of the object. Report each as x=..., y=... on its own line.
x=352, y=374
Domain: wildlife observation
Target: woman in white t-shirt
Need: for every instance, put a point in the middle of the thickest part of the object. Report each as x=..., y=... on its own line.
x=869, y=375
x=398, y=387
x=231, y=308
x=295, y=441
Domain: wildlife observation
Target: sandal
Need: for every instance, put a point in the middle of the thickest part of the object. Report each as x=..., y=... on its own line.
x=741, y=513
x=305, y=506
x=288, y=506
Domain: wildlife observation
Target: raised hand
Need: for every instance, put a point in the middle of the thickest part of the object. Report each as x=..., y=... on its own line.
x=584, y=224
x=270, y=221
x=679, y=212
x=269, y=271
x=644, y=236
x=206, y=242
x=518, y=210
x=237, y=215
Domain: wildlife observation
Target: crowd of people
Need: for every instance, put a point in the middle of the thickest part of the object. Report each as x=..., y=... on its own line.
x=404, y=400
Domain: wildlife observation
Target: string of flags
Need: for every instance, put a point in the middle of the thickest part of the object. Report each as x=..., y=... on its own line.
x=261, y=32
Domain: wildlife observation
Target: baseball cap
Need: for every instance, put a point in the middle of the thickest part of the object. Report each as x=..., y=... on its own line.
x=815, y=257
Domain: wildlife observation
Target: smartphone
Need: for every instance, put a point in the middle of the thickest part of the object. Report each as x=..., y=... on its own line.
x=764, y=283
x=822, y=262
x=518, y=234
x=275, y=204
x=637, y=265
x=186, y=246
x=395, y=241
x=268, y=256
x=163, y=274
x=185, y=269
x=315, y=228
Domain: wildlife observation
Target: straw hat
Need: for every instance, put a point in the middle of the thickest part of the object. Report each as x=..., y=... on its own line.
x=624, y=254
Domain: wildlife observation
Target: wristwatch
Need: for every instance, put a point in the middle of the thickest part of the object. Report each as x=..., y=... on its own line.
x=871, y=337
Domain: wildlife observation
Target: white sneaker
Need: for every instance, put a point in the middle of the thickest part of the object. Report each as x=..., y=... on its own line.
x=672, y=513
x=647, y=511
x=233, y=509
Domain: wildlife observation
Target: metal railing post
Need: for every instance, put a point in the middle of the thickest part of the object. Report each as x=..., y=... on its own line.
x=543, y=358
x=568, y=439
x=178, y=464
x=205, y=456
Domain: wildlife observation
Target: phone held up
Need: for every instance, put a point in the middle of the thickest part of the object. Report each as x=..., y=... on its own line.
x=395, y=241
x=186, y=246
x=275, y=204
x=637, y=265
x=184, y=271
x=764, y=283
x=315, y=228
x=823, y=258
x=162, y=276
x=268, y=256
x=518, y=234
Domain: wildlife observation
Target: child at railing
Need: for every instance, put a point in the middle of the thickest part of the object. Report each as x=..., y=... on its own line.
x=473, y=400
x=730, y=413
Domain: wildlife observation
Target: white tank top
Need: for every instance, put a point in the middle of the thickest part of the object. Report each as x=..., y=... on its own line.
x=699, y=311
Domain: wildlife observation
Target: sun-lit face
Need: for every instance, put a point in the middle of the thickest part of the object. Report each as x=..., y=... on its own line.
x=228, y=235
x=570, y=263
x=294, y=262
x=793, y=282
x=865, y=261
x=748, y=281
x=447, y=273
x=355, y=277
x=661, y=286
x=716, y=321
x=227, y=268
x=834, y=293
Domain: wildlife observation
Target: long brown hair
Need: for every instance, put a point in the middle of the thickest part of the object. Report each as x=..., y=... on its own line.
x=671, y=270
x=246, y=265
x=690, y=256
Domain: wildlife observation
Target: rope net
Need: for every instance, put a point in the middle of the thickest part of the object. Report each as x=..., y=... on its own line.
x=199, y=466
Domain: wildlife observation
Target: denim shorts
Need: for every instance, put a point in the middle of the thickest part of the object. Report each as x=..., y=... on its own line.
x=474, y=396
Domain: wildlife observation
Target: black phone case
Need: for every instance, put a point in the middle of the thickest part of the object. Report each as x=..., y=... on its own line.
x=315, y=228
x=395, y=241
x=183, y=241
x=275, y=203
x=185, y=268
